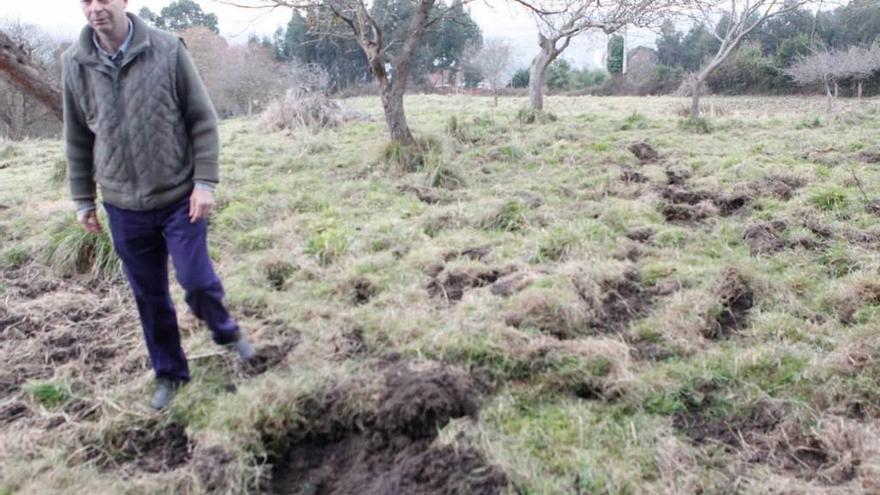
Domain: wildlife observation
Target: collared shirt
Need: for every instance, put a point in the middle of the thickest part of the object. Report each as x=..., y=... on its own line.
x=116, y=58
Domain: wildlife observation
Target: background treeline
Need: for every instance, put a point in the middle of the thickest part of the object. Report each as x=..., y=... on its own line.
x=244, y=78
x=758, y=66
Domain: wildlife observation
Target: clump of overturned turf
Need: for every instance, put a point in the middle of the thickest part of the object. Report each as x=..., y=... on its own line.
x=734, y=299
x=613, y=302
x=779, y=186
x=766, y=237
x=394, y=450
x=450, y=283
x=150, y=447
x=631, y=176
x=643, y=151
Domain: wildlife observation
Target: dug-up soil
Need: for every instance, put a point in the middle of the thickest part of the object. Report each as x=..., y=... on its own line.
x=394, y=451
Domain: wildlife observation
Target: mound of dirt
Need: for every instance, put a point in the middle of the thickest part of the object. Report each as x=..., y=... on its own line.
x=450, y=284
x=766, y=237
x=642, y=234
x=643, y=151
x=151, y=448
x=731, y=203
x=685, y=213
x=618, y=301
x=631, y=176
x=779, y=186
x=733, y=431
x=511, y=284
x=868, y=156
x=734, y=299
x=394, y=452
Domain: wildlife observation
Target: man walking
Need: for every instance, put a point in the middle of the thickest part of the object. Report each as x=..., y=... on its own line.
x=139, y=123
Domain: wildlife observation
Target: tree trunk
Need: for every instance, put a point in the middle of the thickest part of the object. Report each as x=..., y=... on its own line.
x=395, y=116
x=495, y=104
x=538, y=75
x=860, y=89
x=836, y=89
x=14, y=62
x=829, y=98
x=695, y=99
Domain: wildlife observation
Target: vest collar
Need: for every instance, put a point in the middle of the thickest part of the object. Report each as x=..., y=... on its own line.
x=87, y=53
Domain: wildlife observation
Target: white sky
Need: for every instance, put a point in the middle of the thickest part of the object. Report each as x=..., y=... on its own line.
x=63, y=18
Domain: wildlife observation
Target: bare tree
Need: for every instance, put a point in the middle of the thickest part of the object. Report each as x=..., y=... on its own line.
x=821, y=66
x=23, y=61
x=730, y=21
x=250, y=77
x=390, y=68
x=559, y=21
x=493, y=63
x=860, y=63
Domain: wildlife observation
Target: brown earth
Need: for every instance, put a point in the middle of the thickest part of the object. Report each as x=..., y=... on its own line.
x=394, y=451
x=643, y=151
x=734, y=299
x=450, y=284
x=766, y=237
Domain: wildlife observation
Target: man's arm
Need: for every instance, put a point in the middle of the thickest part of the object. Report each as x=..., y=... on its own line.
x=79, y=143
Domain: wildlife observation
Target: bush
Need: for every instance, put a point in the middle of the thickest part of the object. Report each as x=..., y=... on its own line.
x=312, y=111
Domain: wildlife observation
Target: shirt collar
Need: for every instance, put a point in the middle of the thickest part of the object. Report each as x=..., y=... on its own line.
x=116, y=57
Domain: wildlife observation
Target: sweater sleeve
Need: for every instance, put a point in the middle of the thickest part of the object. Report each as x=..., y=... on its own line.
x=200, y=118
x=79, y=142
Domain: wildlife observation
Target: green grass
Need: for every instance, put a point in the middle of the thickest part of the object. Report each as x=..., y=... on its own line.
x=321, y=240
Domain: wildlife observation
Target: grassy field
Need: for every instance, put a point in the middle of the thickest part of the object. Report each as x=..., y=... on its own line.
x=606, y=299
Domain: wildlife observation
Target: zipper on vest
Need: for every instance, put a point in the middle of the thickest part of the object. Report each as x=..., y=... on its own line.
x=126, y=154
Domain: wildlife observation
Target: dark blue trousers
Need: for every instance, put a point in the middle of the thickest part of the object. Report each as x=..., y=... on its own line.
x=143, y=240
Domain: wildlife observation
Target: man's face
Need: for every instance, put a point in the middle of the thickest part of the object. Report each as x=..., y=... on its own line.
x=104, y=15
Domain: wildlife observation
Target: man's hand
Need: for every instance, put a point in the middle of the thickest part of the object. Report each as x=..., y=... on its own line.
x=89, y=221
x=201, y=202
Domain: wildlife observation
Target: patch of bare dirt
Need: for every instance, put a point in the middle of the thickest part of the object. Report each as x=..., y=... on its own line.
x=766, y=237
x=778, y=186
x=151, y=448
x=394, y=452
x=868, y=157
x=734, y=300
x=478, y=253
x=617, y=302
x=509, y=285
x=685, y=213
x=451, y=283
x=643, y=151
x=629, y=175
x=211, y=465
x=640, y=234
x=425, y=194
x=864, y=238
x=13, y=411
x=733, y=431
x=271, y=355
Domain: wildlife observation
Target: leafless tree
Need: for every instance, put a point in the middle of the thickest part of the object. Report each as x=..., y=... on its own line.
x=829, y=67
x=30, y=93
x=730, y=21
x=250, y=77
x=390, y=68
x=821, y=66
x=559, y=21
x=493, y=63
x=859, y=63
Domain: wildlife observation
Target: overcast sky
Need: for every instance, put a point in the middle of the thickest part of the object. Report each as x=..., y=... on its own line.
x=63, y=18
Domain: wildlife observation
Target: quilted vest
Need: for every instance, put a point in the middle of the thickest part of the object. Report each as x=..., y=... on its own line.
x=142, y=155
